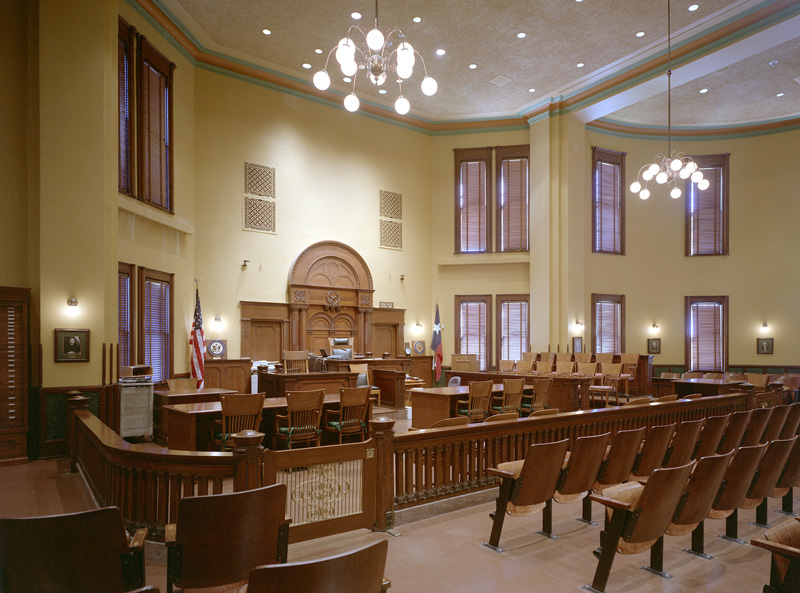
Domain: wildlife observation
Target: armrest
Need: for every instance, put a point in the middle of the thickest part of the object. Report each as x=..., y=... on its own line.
x=328, y=413
x=170, y=530
x=385, y=584
x=138, y=539
x=610, y=502
x=777, y=548
x=499, y=473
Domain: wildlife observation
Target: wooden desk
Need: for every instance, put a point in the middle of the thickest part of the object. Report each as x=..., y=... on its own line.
x=417, y=366
x=663, y=386
x=190, y=424
x=277, y=384
x=428, y=405
x=165, y=397
x=707, y=387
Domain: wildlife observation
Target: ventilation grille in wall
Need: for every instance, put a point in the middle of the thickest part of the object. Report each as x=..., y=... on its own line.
x=259, y=199
x=391, y=217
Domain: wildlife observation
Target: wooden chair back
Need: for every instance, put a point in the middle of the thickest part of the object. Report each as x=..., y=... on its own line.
x=340, y=344
x=295, y=361
x=792, y=422
x=692, y=396
x=529, y=356
x=480, y=398
x=791, y=381
x=583, y=357
x=692, y=375
x=756, y=427
x=544, y=367
x=790, y=476
x=357, y=571
x=544, y=412
x=581, y=471
x=734, y=431
x=769, y=471
x=710, y=436
x=540, y=473
x=240, y=412
x=548, y=356
x=304, y=417
x=604, y=357
x=653, y=450
x=783, y=542
x=464, y=362
x=672, y=397
x=684, y=443
x=505, y=366
x=541, y=393
x=351, y=417
x=777, y=421
x=737, y=480
x=758, y=380
x=670, y=375
x=621, y=456
x=587, y=369
x=563, y=357
x=700, y=492
x=629, y=358
x=503, y=417
x=717, y=376
x=83, y=552
x=361, y=369
x=445, y=422
x=639, y=401
x=182, y=384
x=734, y=377
x=512, y=395
x=525, y=366
x=218, y=539
x=564, y=369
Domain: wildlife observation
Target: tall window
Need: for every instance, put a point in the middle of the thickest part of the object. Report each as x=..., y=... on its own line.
x=608, y=201
x=706, y=333
x=608, y=323
x=707, y=210
x=155, y=322
x=125, y=313
x=473, y=207
x=512, y=326
x=473, y=313
x=151, y=77
x=511, y=196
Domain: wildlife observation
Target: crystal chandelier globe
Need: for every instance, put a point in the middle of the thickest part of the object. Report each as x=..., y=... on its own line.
x=379, y=56
x=667, y=168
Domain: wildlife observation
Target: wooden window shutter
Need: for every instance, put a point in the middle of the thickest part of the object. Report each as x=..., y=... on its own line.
x=512, y=166
x=155, y=322
x=125, y=40
x=608, y=325
x=608, y=201
x=473, y=208
x=707, y=210
x=512, y=326
x=125, y=314
x=707, y=333
x=473, y=314
x=155, y=126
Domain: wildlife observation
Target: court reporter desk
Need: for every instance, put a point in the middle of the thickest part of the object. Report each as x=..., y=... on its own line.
x=163, y=397
x=277, y=384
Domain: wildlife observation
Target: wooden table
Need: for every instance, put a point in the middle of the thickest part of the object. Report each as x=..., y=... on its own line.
x=190, y=424
x=430, y=404
x=278, y=384
x=706, y=387
x=165, y=397
x=663, y=386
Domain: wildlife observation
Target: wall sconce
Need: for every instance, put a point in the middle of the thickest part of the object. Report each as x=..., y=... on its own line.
x=244, y=264
x=764, y=328
x=577, y=327
x=72, y=307
x=654, y=329
x=217, y=319
x=73, y=302
x=418, y=328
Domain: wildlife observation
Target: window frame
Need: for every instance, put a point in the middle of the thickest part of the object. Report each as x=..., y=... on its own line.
x=716, y=161
x=692, y=300
x=501, y=299
x=614, y=298
x=464, y=155
x=126, y=34
x=503, y=153
x=146, y=274
x=602, y=155
x=486, y=299
x=129, y=270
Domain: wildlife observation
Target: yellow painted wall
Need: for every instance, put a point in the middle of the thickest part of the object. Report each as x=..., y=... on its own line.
x=330, y=166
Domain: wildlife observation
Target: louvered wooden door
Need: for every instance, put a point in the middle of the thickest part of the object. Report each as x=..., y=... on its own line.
x=13, y=374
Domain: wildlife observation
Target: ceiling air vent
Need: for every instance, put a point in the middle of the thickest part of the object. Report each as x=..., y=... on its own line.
x=500, y=80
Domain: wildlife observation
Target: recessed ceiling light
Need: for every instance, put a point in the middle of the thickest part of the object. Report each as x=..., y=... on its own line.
x=355, y=15
x=417, y=19
x=580, y=65
x=779, y=95
x=382, y=91
x=318, y=51
x=531, y=90
x=773, y=63
x=578, y=0
x=440, y=52
x=347, y=79
x=640, y=34
x=694, y=7
x=473, y=66
x=521, y=35
x=703, y=91
x=266, y=31
x=307, y=66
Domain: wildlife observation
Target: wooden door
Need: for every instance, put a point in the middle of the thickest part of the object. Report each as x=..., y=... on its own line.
x=267, y=340
x=384, y=339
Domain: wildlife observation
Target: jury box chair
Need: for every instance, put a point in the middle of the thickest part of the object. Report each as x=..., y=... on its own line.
x=350, y=419
x=182, y=384
x=302, y=423
x=295, y=361
x=476, y=407
x=239, y=412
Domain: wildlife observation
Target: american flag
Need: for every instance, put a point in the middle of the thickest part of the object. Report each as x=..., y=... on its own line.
x=198, y=345
x=436, y=345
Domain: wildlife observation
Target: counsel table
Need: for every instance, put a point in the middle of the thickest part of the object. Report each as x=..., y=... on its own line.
x=707, y=387
x=277, y=384
x=163, y=398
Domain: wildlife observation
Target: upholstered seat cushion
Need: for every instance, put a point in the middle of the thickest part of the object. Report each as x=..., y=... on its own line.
x=343, y=353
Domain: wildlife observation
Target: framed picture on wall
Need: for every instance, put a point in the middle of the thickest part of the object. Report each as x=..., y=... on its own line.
x=577, y=344
x=654, y=345
x=72, y=345
x=764, y=345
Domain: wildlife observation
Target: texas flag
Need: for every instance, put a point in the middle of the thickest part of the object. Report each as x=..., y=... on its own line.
x=436, y=346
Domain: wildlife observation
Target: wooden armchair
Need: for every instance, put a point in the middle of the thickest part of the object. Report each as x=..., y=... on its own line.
x=302, y=423
x=529, y=356
x=604, y=357
x=710, y=436
x=525, y=366
x=652, y=451
x=563, y=357
x=295, y=361
x=182, y=384
x=629, y=361
x=86, y=552
x=692, y=375
x=783, y=542
x=450, y=422
x=756, y=427
x=583, y=357
x=545, y=412
x=717, y=376
x=357, y=571
x=758, y=381
x=565, y=368
x=218, y=539
x=639, y=516
x=351, y=417
x=544, y=367
x=239, y=412
x=670, y=375
x=540, y=396
x=506, y=366
x=684, y=443
x=476, y=408
x=586, y=369
x=734, y=431
x=611, y=385
x=526, y=486
x=791, y=383
x=511, y=400
x=363, y=369
x=464, y=362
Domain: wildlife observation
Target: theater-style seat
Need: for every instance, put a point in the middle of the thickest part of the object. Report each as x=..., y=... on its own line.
x=783, y=541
